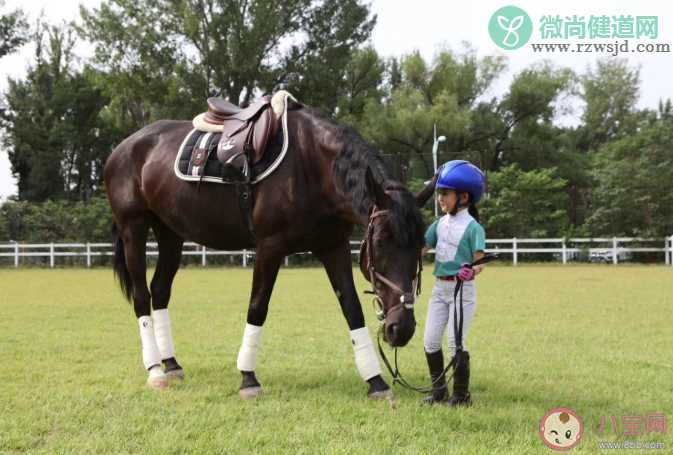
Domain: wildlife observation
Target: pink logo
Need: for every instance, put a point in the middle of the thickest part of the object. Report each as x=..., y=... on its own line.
x=561, y=429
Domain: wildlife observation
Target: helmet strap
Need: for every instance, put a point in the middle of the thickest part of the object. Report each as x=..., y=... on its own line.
x=455, y=209
x=458, y=204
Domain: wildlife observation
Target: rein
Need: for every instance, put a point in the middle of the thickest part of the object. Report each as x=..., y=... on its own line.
x=458, y=337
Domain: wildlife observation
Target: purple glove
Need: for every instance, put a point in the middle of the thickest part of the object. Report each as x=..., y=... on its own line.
x=466, y=273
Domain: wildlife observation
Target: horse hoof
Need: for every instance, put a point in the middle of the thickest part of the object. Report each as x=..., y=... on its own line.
x=250, y=393
x=178, y=374
x=157, y=383
x=381, y=395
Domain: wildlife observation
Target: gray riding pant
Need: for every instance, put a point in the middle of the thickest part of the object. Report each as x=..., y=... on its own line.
x=440, y=314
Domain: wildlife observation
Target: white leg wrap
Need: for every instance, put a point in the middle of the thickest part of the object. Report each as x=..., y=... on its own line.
x=247, y=355
x=365, y=357
x=151, y=355
x=162, y=331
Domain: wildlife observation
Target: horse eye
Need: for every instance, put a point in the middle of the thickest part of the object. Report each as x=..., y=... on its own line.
x=568, y=433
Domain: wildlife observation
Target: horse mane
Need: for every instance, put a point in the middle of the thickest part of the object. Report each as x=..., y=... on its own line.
x=350, y=169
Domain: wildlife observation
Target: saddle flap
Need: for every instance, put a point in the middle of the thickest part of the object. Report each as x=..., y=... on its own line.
x=232, y=143
x=251, y=111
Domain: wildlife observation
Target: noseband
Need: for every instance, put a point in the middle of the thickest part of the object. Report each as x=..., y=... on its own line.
x=406, y=298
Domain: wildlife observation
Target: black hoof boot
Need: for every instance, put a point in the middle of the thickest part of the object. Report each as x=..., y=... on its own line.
x=378, y=388
x=461, y=381
x=250, y=387
x=173, y=369
x=436, y=366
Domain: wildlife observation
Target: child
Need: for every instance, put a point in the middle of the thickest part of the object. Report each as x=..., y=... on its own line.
x=458, y=240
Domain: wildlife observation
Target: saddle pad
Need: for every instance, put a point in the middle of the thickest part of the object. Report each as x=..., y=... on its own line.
x=213, y=171
x=273, y=156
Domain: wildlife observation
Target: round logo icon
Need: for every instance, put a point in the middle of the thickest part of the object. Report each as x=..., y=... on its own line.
x=510, y=27
x=561, y=429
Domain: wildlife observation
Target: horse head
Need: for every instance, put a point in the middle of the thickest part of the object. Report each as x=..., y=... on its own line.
x=391, y=258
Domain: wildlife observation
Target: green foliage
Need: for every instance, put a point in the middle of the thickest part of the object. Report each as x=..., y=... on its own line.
x=428, y=211
x=525, y=203
x=633, y=194
x=611, y=93
x=363, y=79
x=13, y=28
x=56, y=140
x=162, y=58
x=519, y=128
x=422, y=95
x=56, y=221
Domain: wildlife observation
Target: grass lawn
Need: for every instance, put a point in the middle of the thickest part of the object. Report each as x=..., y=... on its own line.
x=595, y=339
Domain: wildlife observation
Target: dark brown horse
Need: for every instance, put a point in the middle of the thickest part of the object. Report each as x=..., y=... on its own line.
x=329, y=180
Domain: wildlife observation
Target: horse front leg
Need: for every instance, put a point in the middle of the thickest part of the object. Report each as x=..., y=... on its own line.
x=264, y=276
x=337, y=262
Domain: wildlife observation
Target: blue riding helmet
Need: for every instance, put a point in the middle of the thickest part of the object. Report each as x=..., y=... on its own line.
x=462, y=176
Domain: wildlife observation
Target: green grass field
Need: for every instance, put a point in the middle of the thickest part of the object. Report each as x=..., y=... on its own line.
x=595, y=339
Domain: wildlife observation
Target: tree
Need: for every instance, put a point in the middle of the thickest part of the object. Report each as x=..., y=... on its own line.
x=519, y=128
x=525, y=203
x=423, y=94
x=363, y=79
x=55, y=139
x=13, y=28
x=633, y=194
x=610, y=92
x=162, y=58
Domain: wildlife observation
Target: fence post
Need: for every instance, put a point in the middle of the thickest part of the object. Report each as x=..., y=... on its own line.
x=16, y=255
x=564, y=253
x=287, y=262
x=245, y=258
x=88, y=255
x=51, y=255
x=614, y=250
x=203, y=256
x=515, y=259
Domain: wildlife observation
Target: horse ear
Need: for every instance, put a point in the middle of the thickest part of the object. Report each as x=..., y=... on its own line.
x=427, y=192
x=381, y=199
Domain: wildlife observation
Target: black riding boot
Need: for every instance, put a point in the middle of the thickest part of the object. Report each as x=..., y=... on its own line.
x=461, y=381
x=436, y=367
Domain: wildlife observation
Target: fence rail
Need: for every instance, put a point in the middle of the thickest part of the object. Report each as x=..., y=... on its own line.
x=611, y=249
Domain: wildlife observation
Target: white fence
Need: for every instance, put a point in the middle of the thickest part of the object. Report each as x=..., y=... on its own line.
x=612, y=250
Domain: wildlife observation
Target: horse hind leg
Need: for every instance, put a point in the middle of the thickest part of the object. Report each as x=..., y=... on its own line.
x=170, y=253
x=133, y=234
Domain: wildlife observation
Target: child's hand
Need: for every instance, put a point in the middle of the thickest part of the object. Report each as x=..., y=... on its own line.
x=466, y=273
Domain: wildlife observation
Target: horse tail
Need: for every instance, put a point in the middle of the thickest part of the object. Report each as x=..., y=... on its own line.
x=120, y=270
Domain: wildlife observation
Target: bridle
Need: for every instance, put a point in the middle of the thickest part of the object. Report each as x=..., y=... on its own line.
x=407, y=299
